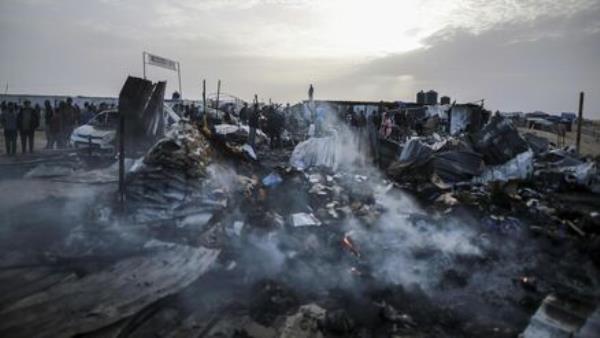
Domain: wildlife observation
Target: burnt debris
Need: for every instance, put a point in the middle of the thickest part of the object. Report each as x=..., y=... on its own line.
x=452, y=224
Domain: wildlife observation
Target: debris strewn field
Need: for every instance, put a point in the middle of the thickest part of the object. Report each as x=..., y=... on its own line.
x=485, y=232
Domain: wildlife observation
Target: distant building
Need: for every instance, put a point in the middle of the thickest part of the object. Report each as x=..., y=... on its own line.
x=421, y=97
x=445, y=100
x=537, y=114
x=513, y=115
x=431, y=97
x=568, y=116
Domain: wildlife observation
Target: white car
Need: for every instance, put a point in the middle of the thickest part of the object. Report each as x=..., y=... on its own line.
x=100, y=132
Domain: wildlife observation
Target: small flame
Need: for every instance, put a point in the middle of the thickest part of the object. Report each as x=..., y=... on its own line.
x=347, y=241
x=355, y=271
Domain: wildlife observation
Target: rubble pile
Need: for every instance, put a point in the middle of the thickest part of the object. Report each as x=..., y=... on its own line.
x=308, y=243
x=171, y=175
x=499, y=174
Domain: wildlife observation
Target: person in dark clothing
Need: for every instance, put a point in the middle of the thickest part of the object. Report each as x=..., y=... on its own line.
x=227, y=117
x=373, y=124
x=354, y=120
x=8, y=119
x=48, y=114
x=275, y=127
x=361, y=125
x=349, y=115
x=253, y=119
x=419, y=127
x=68, y=116
x=27, y=122
x=55, y=126
x=244, y=114
x=76, y=116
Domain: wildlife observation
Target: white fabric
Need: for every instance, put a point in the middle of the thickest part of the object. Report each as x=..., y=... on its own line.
x=316, y=151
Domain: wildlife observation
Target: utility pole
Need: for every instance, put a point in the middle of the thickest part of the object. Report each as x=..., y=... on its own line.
x=179, y=77
x=204, y=103
x=579, y=122
x=144, y=64
x=218, y=94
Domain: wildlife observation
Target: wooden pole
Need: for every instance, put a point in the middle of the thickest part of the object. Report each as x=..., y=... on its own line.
x=179, y=77
x=204, y=103
x=144, y=64
x=218, y=93
x=579, y=122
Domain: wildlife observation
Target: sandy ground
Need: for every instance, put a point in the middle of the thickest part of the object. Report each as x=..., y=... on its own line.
x=589, y=145
x=39, y=140
x=42, y=189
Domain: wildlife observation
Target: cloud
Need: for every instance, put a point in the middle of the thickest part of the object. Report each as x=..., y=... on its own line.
x=528, y=66
x=519, y=55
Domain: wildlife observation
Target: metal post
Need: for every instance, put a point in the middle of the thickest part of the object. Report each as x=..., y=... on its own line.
x=579, y=122
x=122, y=159
x=204, y=103
x=179, y=77
x=218, y=93
x=144, y=64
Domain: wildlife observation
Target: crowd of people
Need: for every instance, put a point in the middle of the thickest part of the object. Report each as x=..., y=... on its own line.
x=61, y=118
x=59, y=121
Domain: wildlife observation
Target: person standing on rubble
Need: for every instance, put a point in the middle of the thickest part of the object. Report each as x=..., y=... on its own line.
x=27, y=122
x=373, y=124
x=8, y=119
x=276, y=128
x=253, y=118
x=387, y=125
x=362, y=132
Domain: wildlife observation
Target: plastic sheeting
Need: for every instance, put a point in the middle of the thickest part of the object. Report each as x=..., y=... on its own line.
x=272, y=180
x=582, y=174
x=316, y=151
x=415, y=151
x=457, y=166
x=239, y=133
x=499, y=141
x=303, y=219
x=459, y=120
x=438, y=110
x=519, y=168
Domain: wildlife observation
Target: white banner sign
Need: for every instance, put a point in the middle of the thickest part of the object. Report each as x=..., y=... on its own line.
x=162, y=62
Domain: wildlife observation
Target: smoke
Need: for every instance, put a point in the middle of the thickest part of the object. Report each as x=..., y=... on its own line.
x=401, y=246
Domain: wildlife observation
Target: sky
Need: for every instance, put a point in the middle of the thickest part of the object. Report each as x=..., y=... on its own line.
x=518, y=55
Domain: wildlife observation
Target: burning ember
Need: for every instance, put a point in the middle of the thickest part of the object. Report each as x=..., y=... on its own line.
x=349, y=245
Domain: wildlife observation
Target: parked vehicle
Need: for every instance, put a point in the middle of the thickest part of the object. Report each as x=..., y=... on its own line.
x=100, y=132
